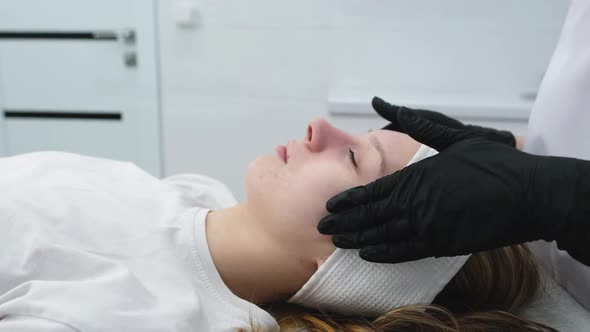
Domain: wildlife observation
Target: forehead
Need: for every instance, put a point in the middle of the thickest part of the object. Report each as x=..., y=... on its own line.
x=388, y=137
x=399, y=148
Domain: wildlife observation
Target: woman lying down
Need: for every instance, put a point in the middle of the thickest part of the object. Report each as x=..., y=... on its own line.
x=91, y=244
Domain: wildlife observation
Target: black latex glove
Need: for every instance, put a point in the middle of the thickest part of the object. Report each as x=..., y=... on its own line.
x=389, y=112
x=476, y=194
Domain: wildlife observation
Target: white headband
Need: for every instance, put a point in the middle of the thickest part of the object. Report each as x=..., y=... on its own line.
x=348, y=285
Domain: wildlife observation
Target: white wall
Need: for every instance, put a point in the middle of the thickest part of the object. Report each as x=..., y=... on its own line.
x=252, y=74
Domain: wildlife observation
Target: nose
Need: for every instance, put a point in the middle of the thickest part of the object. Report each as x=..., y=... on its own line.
x=321, y=135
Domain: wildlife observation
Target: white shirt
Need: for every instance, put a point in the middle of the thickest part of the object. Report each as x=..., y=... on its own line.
x=88, y=244
x=559, y=126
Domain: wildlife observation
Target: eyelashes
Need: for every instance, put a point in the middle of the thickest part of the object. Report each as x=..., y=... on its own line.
x=352, y=158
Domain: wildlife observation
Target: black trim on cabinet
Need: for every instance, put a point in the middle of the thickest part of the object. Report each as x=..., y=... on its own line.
x=59, y=35
x=27, y=114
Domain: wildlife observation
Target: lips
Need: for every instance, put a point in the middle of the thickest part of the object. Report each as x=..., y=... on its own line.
x=281, y=151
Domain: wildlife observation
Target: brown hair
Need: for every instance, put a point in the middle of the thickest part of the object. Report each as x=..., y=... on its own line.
x=484, y=296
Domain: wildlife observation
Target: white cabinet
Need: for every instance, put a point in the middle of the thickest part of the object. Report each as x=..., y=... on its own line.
x=2, y=130
x=80, y=76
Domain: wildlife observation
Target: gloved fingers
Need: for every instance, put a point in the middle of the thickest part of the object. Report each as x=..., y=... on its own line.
x=349, y=199
x=399, y=252
x=500, y=136
x=347, y=240
x=358, y=218
x=395, y=230
x=360, y=195
x=437, y=136
x=386, y=111
x=389, y=112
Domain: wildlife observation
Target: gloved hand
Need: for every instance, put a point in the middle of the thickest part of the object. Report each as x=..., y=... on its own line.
x=389, y=112
x=476, y=194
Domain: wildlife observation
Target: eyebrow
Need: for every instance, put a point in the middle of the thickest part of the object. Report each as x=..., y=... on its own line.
x=379, y=147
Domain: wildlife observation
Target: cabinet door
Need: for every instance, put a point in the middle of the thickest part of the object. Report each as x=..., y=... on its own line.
x=80, y=76
x=2, y=130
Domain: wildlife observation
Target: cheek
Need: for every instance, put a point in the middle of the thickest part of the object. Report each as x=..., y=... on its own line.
x=306, y=205
x=295, y=197
x=312, y=186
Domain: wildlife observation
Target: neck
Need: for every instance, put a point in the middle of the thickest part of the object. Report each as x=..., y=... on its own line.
x=251, y=263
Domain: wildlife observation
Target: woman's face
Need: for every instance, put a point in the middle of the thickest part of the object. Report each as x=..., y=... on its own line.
x=292, y=188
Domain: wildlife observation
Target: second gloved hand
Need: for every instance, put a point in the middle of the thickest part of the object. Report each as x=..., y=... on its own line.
x=390, y=112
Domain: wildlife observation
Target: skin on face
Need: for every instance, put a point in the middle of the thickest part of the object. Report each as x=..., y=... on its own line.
x=294, y=194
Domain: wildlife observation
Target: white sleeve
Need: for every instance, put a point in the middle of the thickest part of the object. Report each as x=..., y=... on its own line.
x=22, y=323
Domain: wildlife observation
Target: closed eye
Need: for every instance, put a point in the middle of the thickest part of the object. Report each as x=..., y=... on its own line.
x=351, y=156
